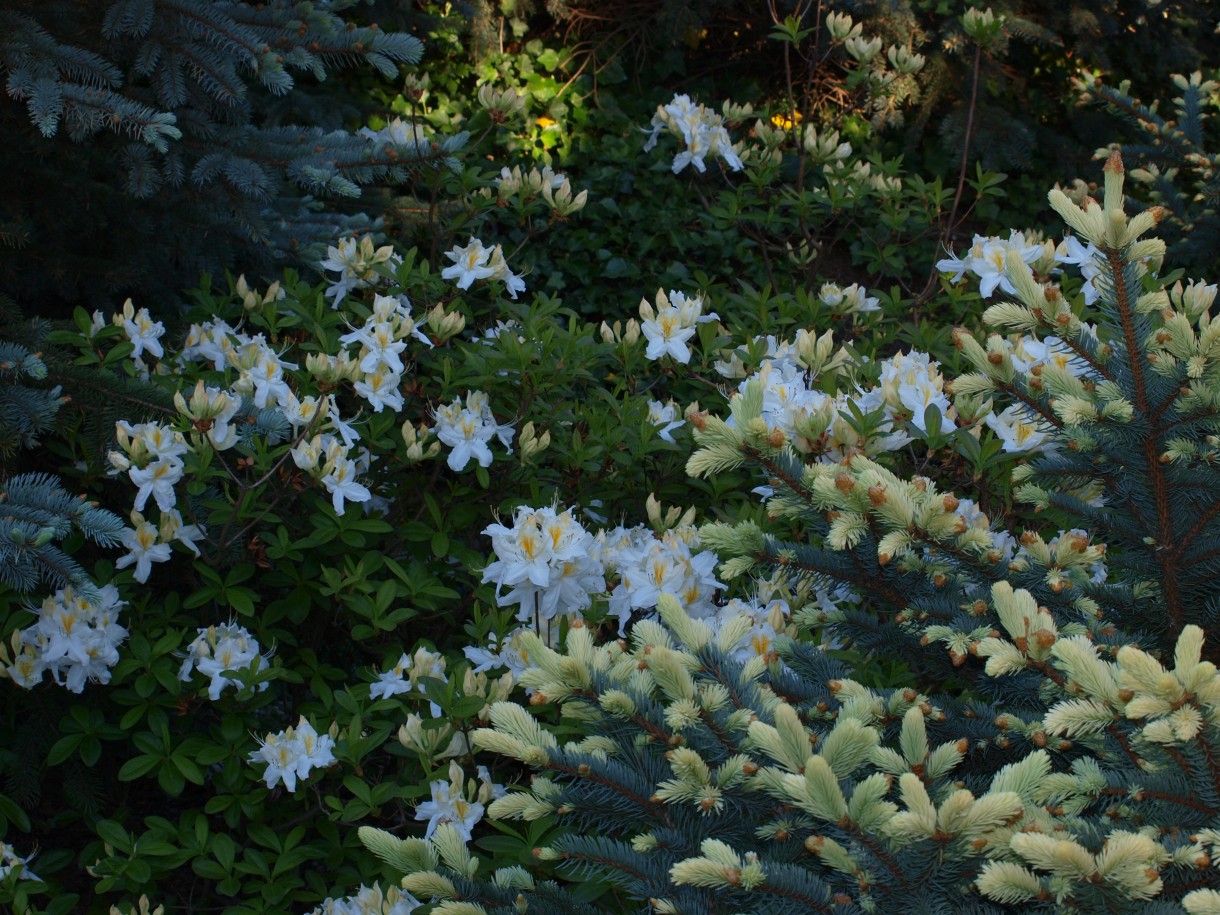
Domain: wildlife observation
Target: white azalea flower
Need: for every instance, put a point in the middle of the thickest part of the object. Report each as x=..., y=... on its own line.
x=157, y=479
x=1015, y=429
x=141, y=540
x=470, y=263
x=665, y=417
x=291, y=754
x=381, y=388
x=219, y=652
x=340, y=481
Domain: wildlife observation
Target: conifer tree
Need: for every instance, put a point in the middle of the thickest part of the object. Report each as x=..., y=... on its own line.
x=147, y=141
x=1059, y=752
x=36, y=512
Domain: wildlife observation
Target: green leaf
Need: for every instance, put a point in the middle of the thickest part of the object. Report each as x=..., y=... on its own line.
x=113, y=834
x=62, y=749
x=190, y=771
x=440, y=545
x=12, y=813
x=170, y=780
x=138, y=767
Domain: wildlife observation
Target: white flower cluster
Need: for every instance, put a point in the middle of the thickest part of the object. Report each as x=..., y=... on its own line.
x=359, y=266
x=373, y=361
x=291, y=754
x=220, y=652
x=553, y=568
x=404, y=676
x=909, y=384
x=142, y=331
x=554, y=187
x=328, y=459
x=1086, y=259
x=733, y=365
x=848, y=300
x=475, y=262
x=152, y=457
x=987, y=260
x=74, y=639
x=148, y=543
x=507, y=652
x=370, y=900
x=1018, y=429
x=702, y=131
x=545, y=560
x=987, y=257
x=671, y=323
x=260, y=371
x=467, y=429
x=767, y=620
x=458, y=801
x=382, y=340
x=813, y=421
x=648, y=566
x=665, y=417
x=9, y=859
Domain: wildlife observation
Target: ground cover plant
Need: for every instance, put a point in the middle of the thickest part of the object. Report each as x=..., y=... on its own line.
x=845, y=542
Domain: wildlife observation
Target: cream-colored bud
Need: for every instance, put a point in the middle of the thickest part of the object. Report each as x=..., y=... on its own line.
x=532, y=443
x=632, y=333
x=561, y=199
x=904, y=60
x=983, y=26
x=445, y=324
x=841, y=27
x=415, y=439
x=862, y=49
x=501, y=104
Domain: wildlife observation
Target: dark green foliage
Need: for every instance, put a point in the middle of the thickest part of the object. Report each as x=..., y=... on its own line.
x=176, y=122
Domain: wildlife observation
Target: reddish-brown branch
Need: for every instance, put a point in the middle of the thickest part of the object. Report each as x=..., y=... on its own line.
x=1121, y=738
x=1162, y=796
x=655, y=808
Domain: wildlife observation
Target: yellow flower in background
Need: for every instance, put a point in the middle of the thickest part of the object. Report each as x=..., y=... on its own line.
x=544, y=122
x=783, y=122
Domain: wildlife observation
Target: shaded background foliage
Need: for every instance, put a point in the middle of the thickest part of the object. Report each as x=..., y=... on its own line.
x=135, y=220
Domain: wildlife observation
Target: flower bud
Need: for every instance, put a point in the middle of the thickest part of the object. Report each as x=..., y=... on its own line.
x=904, y=60
x=500, y=104
x=861, y=49
x=532, y=444
x=841, y=27
x=632, y=333
x=561, y=200
x=445, y=325
x=982, y=25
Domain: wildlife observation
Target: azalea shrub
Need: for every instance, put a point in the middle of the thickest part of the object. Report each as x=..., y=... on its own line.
x=1053, y=751
x=784, y=191
x=314, y=602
